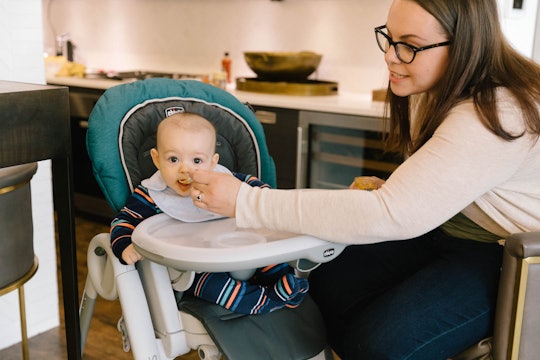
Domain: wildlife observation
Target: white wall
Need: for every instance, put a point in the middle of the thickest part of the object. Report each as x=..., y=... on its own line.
x=536, y=45
x=191, y=36
x=519, y=24
x=21, y=59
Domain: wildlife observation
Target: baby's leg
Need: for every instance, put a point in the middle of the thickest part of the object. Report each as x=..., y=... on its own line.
x=268, y=275
x=244, y=297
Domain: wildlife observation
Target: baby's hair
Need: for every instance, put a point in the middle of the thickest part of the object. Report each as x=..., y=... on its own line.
x=189, y=122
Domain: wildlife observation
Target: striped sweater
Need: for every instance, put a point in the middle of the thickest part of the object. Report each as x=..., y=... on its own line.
x=140, y=206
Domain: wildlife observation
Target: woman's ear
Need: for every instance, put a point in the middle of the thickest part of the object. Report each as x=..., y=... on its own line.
x=155, y=157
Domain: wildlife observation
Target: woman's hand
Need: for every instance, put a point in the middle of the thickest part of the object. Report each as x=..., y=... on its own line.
x=215, y=191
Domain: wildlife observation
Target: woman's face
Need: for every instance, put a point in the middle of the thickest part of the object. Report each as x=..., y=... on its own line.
x=409, y=22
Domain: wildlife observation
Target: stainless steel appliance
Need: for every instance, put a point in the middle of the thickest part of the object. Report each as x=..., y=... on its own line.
x=333, y=149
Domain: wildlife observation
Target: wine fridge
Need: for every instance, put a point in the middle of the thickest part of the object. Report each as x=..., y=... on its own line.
x=332, y=149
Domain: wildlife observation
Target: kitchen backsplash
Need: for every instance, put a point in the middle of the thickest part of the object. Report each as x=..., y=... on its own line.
x=191, y=36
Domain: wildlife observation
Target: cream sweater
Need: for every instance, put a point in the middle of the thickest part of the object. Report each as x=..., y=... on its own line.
x=463, y=167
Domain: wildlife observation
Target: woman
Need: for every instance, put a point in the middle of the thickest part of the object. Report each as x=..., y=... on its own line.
x=420, y=278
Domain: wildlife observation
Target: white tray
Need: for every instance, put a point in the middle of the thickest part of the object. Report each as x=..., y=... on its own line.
x=219, y=246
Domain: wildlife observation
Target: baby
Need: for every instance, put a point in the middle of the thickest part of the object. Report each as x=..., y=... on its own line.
x=186, y=142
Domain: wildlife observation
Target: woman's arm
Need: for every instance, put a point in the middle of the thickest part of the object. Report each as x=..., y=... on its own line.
x=461, y=162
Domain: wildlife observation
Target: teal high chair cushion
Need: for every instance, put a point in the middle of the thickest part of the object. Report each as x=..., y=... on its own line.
x=126, y=116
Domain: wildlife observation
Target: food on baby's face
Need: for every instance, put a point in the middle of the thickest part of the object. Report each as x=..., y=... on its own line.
x=186, y=181
x=183, y=186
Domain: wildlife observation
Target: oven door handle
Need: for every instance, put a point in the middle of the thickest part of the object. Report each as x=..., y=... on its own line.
x=299, y=155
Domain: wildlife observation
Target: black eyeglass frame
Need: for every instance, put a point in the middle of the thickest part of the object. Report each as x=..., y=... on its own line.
x=415, y=50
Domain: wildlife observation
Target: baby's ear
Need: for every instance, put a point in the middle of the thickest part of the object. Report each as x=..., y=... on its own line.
x=215, y=159
x=155, y=157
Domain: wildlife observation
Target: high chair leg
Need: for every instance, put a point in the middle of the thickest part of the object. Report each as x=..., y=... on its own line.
x=86, y=310
x=137, y=317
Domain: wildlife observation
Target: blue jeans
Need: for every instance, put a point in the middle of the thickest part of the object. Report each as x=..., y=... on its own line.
x=425, y=298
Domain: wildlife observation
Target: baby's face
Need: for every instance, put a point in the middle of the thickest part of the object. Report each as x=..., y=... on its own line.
x=179, y=152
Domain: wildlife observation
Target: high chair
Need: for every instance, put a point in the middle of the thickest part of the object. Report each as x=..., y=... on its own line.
x=158, y=322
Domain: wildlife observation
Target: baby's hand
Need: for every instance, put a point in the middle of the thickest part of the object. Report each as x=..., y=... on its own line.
x=130, y=255
x=366, y=183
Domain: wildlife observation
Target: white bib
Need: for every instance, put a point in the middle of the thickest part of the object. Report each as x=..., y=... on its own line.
x=178, y=207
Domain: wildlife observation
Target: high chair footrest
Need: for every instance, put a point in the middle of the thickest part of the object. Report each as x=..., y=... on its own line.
x=299, y=332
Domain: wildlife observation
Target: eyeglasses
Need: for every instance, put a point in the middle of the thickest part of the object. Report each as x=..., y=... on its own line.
x=404, y=52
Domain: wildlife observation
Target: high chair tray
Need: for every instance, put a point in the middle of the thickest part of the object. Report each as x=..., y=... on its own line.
x=220, y=246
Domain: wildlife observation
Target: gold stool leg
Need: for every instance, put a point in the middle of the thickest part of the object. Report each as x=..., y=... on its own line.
x=24, y=335
x=19, y=285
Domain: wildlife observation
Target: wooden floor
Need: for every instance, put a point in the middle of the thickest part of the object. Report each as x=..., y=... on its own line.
x=103, y=341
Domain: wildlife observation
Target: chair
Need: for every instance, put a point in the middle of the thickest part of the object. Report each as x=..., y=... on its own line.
x=121, y=132
x=517, y=318
x=18, y=264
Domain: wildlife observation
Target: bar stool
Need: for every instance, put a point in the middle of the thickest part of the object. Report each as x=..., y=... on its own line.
x=18, y=264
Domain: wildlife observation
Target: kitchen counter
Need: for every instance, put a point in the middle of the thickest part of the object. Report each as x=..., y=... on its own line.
x=342, y=103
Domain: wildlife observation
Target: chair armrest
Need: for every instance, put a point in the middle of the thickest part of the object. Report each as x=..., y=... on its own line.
x=517, y=318
x=524, y=245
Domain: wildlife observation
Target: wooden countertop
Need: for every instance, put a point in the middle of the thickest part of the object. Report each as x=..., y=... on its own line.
x=342, y=103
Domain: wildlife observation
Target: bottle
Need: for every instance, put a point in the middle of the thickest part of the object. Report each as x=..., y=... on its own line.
x=226, y=66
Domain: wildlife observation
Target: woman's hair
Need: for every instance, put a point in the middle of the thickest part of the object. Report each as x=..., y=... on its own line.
x=480, y=60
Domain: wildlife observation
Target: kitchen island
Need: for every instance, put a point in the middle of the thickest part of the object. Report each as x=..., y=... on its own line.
x=35, y=121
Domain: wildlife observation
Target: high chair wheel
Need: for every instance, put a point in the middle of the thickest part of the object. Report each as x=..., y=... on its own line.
x=99, y=251
x=208, y=352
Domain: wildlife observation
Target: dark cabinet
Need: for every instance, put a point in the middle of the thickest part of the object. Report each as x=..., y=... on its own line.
x=88, y=197
x=280, y=127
